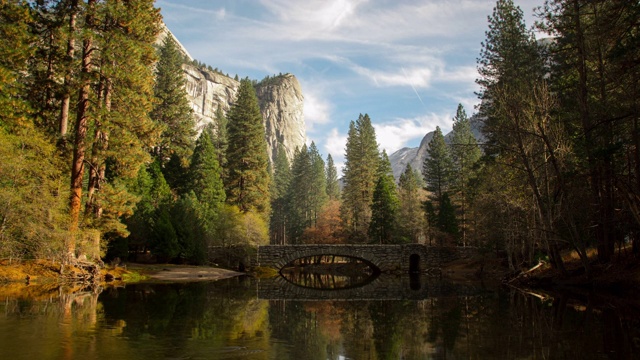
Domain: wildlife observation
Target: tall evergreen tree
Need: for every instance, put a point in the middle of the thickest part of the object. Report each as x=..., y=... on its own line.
x=124, y=32
x=596, y=79
x=318, y=194
x=384, y=207
x=205, y=173
x=517, y=108
x=220, y=141
x=465, y=153
x=438, y=166
x=333, y=187
x=248, y=180
x=446, y=220
x=281, y=180
x=299, y=195
x=411, y=215
x=172, y=109
x=437, y=170
x=195, y=215
x=360, y=175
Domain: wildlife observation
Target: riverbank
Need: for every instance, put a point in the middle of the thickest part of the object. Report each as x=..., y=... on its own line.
x=44, y=272
x=620, y=277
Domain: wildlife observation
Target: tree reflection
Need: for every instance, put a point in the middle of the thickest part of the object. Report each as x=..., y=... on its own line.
x=329, y=272
x=225, y=320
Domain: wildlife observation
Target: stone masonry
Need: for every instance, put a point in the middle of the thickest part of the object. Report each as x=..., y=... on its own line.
x=386, y=258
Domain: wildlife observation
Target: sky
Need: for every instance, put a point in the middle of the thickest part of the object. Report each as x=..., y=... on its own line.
x=408, y=64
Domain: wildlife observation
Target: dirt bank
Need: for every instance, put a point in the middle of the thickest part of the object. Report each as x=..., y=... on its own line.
x=47, y=272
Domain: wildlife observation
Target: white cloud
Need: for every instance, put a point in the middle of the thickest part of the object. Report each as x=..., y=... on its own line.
x=335, y=143
x=460, y=74
x=393, y=136
x=317, y=109
x=310, y=19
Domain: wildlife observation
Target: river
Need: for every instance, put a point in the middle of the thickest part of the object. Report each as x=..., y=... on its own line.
x=245, y=318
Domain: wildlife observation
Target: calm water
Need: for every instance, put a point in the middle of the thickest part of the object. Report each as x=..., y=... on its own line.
x=231, y=319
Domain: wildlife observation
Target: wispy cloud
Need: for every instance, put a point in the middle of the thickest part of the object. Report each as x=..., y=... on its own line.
x=415, y=78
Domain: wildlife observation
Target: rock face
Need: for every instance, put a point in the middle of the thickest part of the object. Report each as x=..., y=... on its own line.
x=416, y=156
x=208, y=90
x=281, y=103
x=280, y=99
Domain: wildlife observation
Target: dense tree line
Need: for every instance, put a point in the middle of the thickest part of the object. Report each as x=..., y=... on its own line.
x=99, y=143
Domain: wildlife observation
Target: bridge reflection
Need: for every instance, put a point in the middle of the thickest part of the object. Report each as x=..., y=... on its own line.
x=327, y=281
x=384, y=287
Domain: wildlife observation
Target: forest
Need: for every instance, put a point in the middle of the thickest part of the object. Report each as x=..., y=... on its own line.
x=101, y=159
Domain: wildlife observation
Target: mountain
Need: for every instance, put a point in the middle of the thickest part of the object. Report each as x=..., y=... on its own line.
x=282, y=106
x=416, y=156
x=280, y=98
x=207, y=90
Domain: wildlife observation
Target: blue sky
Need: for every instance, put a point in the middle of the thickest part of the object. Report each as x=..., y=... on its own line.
x=406, y=63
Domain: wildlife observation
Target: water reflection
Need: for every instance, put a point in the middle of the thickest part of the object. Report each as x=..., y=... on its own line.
x=326, y=281
x=329, y=272
x=225, y=319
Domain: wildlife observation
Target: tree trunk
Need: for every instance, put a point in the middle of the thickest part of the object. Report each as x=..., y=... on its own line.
x=79, y=149
x=97, y=163
x=71, y=43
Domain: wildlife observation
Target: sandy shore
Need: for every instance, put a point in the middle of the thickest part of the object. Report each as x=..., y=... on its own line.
x=178, y=273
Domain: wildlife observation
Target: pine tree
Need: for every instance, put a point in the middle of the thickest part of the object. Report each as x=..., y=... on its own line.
x=122, y=131
x=154, y=193
x=318, y=186
x=516, y=107
x=299, y=195
x=220, y=141
x=172, y=109
x=118, y=115
x=205, y=173
x=281, y=179
x=411, y=215
x=333, y=187
x=384, y=207
x=248, y=180
x=465, y=153
x=360, y=175
x=446, y=221
x=438, y=166
x=595, y=76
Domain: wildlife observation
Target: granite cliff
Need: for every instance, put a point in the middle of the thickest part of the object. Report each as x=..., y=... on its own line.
x=280, y=98
x=282, y=106
x=208, y=90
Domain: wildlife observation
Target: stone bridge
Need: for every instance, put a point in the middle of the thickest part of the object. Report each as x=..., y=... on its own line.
x=405, y=258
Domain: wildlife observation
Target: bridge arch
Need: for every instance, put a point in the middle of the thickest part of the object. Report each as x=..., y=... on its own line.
x=295, y=252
